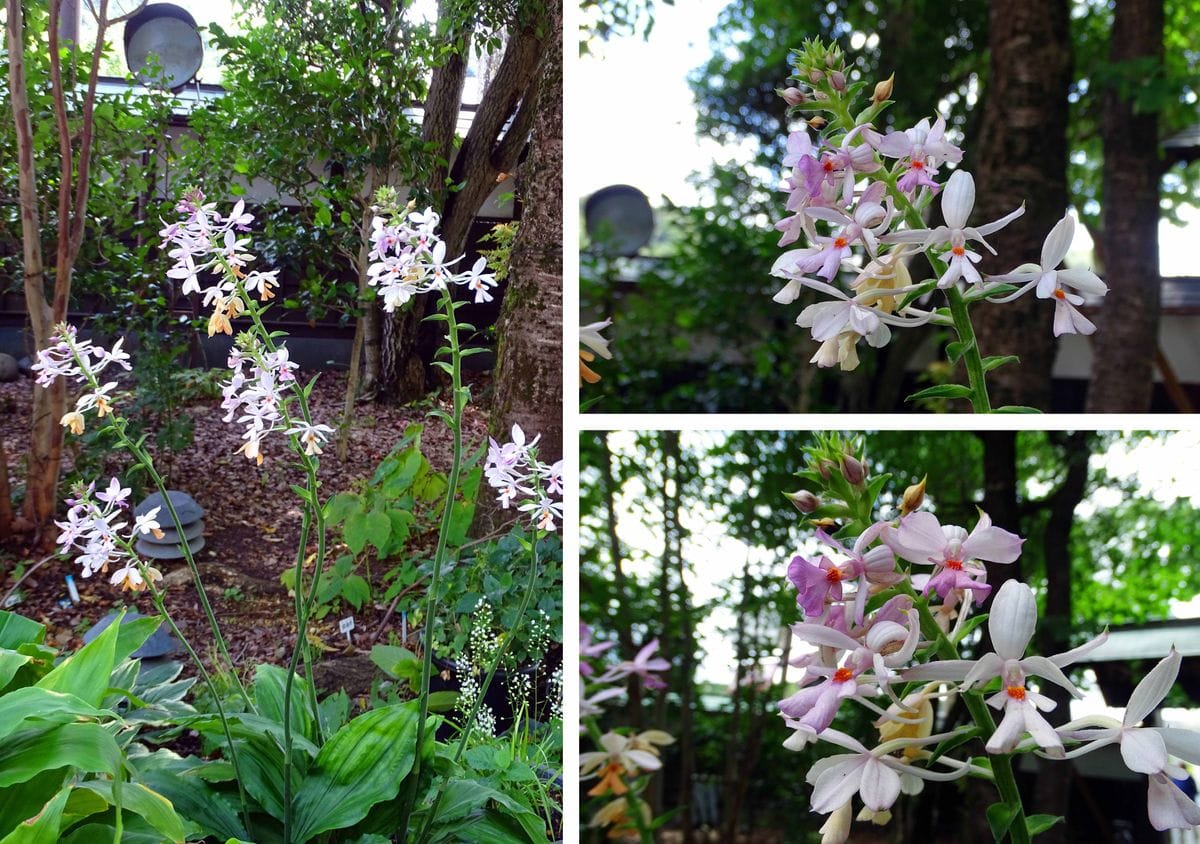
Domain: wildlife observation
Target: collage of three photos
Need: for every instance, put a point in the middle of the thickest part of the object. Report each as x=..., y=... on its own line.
x=309, y=515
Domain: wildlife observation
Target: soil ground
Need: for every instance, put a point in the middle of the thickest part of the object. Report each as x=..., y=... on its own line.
x=252, y=527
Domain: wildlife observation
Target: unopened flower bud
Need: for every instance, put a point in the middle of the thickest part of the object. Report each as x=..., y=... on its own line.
x=824, y=466
x=804, y=500
x=793, y=96
x=817, y=122
x=838, y=80
x=912, y=498
x=831, y=58
x=853, y=470
x=815, y=76
x=883, y=90
x=824, y=524
x=836, y=828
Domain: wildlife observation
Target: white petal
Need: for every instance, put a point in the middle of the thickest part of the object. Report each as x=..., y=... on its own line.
x=1143, y=751
x=1084, y=280
x=880, y=786
x=837, y=783
x=1058, y=242
x=1168, y=807
x=1182, y=743
x=958, y=199
x=996, y=225
x=1153, y=688
x=1012, y=619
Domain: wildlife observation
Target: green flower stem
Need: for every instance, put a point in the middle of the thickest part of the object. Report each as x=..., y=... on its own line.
x=1002, y=770
x=313, y=515
x=631, y=799
x=976, y=377
x=458, y=394
x=469, y=724
x=160, y=604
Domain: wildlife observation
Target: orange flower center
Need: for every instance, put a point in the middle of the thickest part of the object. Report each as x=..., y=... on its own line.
x=1060, y=294
x=840, y=243
x=828, y=166
x=918, y=165
x=834, y=575
x=842, y=675
x=954, y=564
x=959, y=251
x=1016, y=692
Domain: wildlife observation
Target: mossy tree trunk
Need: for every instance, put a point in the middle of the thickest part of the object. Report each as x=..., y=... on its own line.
x=1023, y=159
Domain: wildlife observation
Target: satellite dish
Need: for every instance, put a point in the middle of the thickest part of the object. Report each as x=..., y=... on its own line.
x=619, y=220
x=164, y=37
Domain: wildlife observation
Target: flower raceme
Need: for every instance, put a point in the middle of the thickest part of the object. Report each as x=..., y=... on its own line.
x=859, y=198
x=97, y=528
x=513, y=469
x=875, y=623
x=409, y=259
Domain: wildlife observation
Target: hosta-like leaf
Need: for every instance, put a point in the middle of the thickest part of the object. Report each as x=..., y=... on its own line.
x=363, y=763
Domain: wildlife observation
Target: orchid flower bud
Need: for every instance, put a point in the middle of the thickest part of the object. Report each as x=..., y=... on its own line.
x=838, y=80
x=793, y=96
x=913, y=497
x=883, y=90
x=815, y=76
x=817, y=122
x=853, y=470
x=804, y=500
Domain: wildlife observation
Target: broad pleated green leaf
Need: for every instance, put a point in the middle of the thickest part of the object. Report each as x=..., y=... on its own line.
x=43, y=828
x=42, y=705
x=86, y=673
x=363, y=763
x=17, y=630
x=152, y=806
x=88, y=747
x=269, y=684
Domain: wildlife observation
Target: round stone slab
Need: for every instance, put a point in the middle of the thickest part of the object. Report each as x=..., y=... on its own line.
x=171, y=536
x=168, y=552
x=161, y=643
x=185, y=507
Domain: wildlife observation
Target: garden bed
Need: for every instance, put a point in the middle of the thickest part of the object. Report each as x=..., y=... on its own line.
x=251, y=529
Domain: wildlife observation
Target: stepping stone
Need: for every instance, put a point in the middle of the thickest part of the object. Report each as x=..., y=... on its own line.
x=160, y=643
x=169, y=551
x=185, y=507
x=171, y=536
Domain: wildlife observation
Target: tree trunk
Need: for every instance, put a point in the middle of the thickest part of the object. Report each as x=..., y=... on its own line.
x=622, y=621
x=1053, y=790
x=1023, y=158
x=529, y=354
x=1127, y=326
x=492, y=146
x=49, y=405
x=403, y=374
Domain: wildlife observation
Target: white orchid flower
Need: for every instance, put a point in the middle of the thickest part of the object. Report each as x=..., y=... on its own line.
x=1052, y=281
x=1011, y=623
x=958, y=200
x=1145, y=749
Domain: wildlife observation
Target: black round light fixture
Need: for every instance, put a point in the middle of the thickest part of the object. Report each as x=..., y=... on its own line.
x=164, y=37
x=619, y=220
